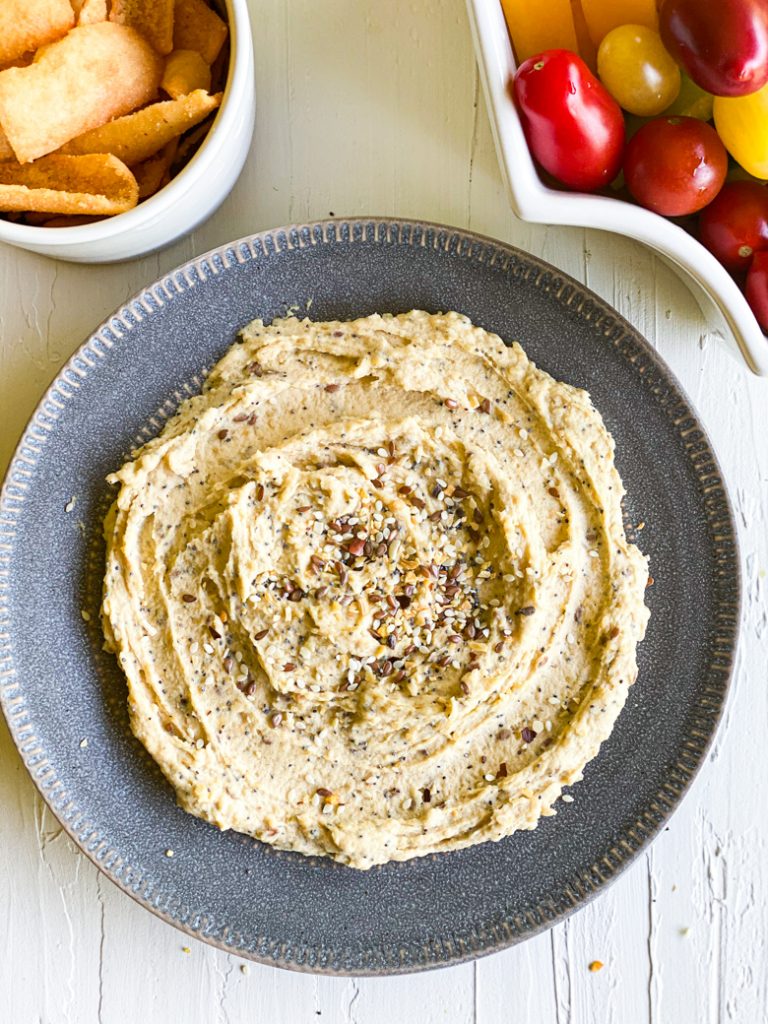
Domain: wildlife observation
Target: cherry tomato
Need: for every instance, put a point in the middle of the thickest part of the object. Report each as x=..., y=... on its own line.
x=691, y=101
x=574, y=127
x=742, y=124
x=637, y=71
x=757, y=288
x=602, y=16
x=723, y=45
x=675, y=165
x=737, y=173
x=735, y=224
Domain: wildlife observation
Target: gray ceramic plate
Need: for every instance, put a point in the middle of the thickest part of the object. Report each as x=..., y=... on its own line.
x=59, y=688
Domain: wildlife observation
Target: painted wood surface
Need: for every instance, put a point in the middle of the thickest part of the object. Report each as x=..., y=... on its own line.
x=375, y=108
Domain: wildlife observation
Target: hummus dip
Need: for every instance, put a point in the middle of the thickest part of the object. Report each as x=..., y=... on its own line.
x=371, y=589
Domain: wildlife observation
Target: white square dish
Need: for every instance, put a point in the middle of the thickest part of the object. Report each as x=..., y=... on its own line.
x=716, y=292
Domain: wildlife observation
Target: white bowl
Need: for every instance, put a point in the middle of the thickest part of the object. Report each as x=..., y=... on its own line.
x=189, y=199
x=718, y=295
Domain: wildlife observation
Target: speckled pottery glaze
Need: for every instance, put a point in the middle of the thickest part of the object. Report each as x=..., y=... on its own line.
x=59, y=689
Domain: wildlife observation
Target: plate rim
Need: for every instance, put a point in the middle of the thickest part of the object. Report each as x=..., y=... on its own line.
x=491, y=937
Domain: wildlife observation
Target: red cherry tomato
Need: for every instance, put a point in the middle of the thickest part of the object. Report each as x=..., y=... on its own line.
x=722, y=44
x=675, y=165
x=757, y=288
x=735, y=224
x=573, y=125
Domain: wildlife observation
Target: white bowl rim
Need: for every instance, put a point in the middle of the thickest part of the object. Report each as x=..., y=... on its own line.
x=150, y=209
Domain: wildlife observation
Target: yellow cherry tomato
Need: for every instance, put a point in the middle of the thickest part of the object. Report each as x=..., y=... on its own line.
x=742, y=124
x=691, y=101
x=637, y=71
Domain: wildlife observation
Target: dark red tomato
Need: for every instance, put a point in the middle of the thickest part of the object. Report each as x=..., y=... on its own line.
x=675, y=165
x=574, y=127
x=757, y=288
x=722, y=44
x=735, y=224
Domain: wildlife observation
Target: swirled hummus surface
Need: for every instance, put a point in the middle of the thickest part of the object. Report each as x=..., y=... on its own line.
x=371, y=589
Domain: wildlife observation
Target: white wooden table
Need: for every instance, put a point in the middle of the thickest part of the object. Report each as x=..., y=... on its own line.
x=374, y=107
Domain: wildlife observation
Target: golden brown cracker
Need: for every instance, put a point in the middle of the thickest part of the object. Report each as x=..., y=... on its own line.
x=20, y=62
x=89, y=12
x=95, y=73
x=6, y=150
x=28, y=24
x=185, y=71
x=93, y=184
x=191, y=141
x=154, y=173
x=138, y=136
x=152, y=18
x=220, y=69
x=197, y=27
